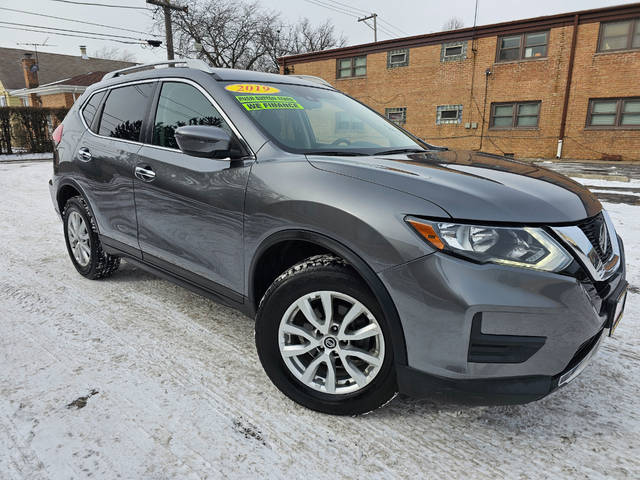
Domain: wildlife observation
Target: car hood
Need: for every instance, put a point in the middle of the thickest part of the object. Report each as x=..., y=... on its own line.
x=473, y=185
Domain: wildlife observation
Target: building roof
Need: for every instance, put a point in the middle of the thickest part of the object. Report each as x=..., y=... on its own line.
x=77, y=84
x=52, y=67
x=84, y=79
x=619, y=12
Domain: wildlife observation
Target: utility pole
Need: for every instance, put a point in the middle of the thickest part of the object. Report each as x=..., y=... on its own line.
x=375, y=26
x=168, y=29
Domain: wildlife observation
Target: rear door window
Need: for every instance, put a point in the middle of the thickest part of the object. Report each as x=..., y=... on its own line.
x=91, y=108
x=124, y=111
x=182, y=104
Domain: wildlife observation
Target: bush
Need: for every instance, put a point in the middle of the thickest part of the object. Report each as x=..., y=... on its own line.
x=28, y=129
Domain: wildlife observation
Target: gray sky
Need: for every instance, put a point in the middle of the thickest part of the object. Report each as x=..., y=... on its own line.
x=411, y=16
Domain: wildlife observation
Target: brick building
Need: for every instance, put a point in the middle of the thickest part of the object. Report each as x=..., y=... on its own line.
x=564, y=85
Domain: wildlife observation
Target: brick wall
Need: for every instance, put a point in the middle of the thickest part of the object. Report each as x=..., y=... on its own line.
x=600, y=75
x=58, y=100
x=427, y=82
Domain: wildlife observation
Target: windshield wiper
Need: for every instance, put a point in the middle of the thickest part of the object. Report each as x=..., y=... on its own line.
x=338, y=153
x=401, y=150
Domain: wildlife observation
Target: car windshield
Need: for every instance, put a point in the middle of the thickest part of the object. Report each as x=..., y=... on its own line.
x=320, y=121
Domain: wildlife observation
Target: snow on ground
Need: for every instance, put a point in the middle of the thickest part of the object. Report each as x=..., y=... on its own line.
x=134, y=377
x=21, y=157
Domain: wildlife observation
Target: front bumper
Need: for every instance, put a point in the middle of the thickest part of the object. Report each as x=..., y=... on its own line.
x=489, y=334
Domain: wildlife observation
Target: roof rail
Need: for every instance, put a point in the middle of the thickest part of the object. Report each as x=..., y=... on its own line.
x=189, y=63
x=314, y=79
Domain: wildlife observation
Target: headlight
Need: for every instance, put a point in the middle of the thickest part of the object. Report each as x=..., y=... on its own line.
x=521, y=247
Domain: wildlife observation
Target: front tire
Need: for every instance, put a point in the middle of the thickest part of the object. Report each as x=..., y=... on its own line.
x=323, y=340
x=83, y=243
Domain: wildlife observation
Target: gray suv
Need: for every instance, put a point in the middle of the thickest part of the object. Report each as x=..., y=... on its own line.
x=373, y=262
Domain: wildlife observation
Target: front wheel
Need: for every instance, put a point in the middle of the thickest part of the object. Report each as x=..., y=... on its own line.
x=323, y=340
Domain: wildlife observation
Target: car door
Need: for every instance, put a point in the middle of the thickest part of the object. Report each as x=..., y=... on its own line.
x=190, y=209
x=107, y=155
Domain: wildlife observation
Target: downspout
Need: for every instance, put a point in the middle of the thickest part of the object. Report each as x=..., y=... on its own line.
x=567, y=88
x=484, y=107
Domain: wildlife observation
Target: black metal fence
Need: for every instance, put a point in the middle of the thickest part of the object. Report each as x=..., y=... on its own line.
x=28, y=129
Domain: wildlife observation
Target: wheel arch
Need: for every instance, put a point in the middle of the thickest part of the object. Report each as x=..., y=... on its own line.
x=329, y=245
x=68, y=188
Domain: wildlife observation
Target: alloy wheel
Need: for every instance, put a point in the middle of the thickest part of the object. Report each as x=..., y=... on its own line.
x=78, y=237
x=331, y=342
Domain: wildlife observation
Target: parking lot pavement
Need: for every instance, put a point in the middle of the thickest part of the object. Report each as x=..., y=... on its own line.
x=134, y=377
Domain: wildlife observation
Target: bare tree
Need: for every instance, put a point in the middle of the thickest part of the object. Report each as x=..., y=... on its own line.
x=453, y=23
x=114, y=53
x=243, y=34
x=300, y=38
x=313, y=39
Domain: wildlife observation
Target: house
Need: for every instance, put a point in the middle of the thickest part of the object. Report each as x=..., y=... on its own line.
x=49, y=79
x=565, y=86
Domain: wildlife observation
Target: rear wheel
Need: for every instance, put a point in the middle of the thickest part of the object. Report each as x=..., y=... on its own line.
x=83, y=243
x=323, y=340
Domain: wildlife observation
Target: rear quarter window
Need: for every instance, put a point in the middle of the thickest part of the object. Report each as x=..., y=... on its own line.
x=91, y=108
x=124, y=111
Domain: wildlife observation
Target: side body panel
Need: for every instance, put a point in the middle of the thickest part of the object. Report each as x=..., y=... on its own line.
x=190, y=215
x=107, y=179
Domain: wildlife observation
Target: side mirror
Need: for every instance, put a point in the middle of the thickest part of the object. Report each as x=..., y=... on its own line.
x=203, y=140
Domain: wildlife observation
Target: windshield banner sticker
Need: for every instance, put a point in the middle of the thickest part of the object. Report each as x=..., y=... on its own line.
x=251, y=88
x=268, y=102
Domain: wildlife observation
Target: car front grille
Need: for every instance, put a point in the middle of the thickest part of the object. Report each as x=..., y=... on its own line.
x=595, y=244
x=595, y=228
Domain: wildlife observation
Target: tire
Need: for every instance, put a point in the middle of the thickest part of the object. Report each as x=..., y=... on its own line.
x=83, y=243
x=341, y=381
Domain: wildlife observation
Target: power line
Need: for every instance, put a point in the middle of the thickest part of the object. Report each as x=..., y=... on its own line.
x=349, y=7
x=73, y=31
x=351, y=13
x=100, y=4
x=72, y=35
x=394, y=27
x=360, y=11
x=335, y=9
x=76, y=21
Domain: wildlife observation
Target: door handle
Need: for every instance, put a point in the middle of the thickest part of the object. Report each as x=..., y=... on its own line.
x=85, y=154
x=146, y=174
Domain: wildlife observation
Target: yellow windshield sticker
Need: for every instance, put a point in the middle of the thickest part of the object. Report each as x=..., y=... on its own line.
x=251, y=88
x=268, y=102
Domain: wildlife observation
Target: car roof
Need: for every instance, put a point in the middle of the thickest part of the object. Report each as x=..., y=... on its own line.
x=220, y=74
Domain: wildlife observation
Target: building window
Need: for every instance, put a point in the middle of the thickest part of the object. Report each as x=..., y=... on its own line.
x=3, y=101
x=619, y=35
x=454, y=51
x=352, y=67
x=448, y=114
x=396, y=115
x=398, y=58
x=614, y=113
x=25, y=101
x=525, y=46
x=515, y=115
